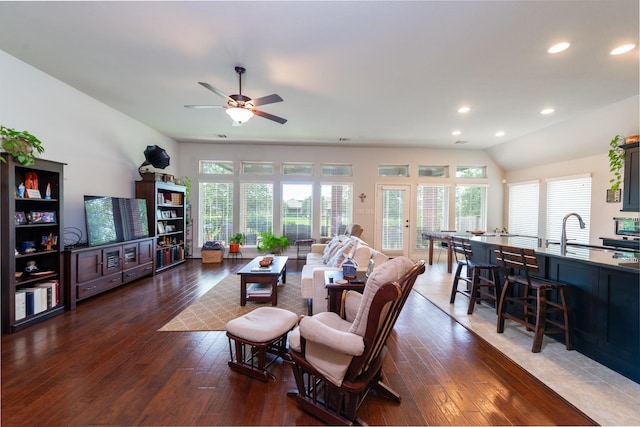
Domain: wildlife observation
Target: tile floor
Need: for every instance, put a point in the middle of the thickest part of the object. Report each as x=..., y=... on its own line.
x=604, y=395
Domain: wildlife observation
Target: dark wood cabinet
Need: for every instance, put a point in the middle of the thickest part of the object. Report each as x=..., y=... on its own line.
x=631, y=188
x=93, y=270
x=166, y=212
x=32, y=229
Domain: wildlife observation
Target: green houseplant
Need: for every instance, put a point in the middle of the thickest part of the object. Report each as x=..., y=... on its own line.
x=235, y=241
x=272, y=244
x=186, y=182
x=21, y=145
x=616, y=162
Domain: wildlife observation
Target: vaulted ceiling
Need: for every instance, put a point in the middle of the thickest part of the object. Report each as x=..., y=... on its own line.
x=350, y=72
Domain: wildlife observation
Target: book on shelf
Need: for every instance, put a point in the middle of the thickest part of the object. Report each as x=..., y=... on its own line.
x=259, y=289
x=21, y=304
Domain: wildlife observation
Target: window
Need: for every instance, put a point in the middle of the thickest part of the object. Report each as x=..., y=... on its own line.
x=336, y=208
x=216, y=211
x=216, y=167
x=297, y=204
x=433, y=211
x=523, y=208
x=393, y=170
x=433, y=171
x=256, y=210
x=471, y=207
x=566, y=195
x=329, y=169
x=257, y=168
x=471, y=172
x=300, y=169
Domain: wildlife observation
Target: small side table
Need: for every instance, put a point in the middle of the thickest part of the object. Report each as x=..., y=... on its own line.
x=304, y=243
x=335, y=289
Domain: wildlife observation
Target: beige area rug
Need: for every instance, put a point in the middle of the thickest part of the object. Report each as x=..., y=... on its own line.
x=213, y=310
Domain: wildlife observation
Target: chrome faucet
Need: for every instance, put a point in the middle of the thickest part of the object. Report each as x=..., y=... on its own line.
x=563, y=238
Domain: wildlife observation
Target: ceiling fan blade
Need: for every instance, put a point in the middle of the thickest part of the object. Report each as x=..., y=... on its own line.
x=269, y=116
x=203, y=106
x=215, y=90
x=269, y=99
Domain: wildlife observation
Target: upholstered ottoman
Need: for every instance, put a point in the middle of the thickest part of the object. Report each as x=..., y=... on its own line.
x=258, y=333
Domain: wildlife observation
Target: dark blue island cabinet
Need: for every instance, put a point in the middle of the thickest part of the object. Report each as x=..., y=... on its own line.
x=604, y=296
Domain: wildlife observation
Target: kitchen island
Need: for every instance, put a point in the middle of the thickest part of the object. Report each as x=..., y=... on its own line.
x=604, y=292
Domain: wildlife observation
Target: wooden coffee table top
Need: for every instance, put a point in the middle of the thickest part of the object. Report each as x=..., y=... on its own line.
x=253, y=267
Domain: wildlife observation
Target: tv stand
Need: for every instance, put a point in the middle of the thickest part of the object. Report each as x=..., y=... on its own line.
x=96, y=269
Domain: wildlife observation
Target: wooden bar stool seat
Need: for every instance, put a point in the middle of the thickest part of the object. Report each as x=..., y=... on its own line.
x=479, y=287
x=539, y=305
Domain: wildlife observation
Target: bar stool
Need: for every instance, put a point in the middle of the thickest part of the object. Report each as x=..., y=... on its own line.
x=479, y=288
x=532, y=306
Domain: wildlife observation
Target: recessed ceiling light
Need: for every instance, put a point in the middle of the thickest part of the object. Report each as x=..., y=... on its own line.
x=559, y=47
x=499, y=133
x=464, y=109
x=622, y=49
x=547, y=111
x=456, y=133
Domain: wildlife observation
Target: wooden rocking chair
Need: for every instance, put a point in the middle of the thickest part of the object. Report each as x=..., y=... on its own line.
x=338, y=360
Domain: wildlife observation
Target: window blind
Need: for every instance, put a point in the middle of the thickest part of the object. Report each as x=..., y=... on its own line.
x=256, y=210
x=297, y=205
x=216, y=211
x=432, y=211
x=336, y=208
x=523, y=208
x=567, y=195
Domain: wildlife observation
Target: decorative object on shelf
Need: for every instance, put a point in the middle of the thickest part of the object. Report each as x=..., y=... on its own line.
x=156, y=157
x=235, y=241
x=270, y=243
x=20, y=218
x=27, y=247
x=38, y=217
x=31, y=267
x=49, y=242
x=21, y=190
x=21, y=145
x=632, y=139
x=47, y=193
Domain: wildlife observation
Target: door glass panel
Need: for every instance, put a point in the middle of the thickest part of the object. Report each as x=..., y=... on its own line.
x=393, y=202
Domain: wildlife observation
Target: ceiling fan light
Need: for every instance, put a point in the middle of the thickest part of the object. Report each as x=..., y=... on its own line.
x=239, y=115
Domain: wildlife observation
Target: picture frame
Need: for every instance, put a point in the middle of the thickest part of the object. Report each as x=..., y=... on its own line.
x=165, y=214
x=43, y=217
x=169, y=228
x=173, y=214
x=158, y=214
x=161, y=228
x=20, y=218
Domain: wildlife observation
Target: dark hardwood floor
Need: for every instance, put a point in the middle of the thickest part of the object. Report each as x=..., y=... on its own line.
x=105, y=364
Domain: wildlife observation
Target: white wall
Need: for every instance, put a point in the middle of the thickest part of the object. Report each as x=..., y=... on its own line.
x=101, y=146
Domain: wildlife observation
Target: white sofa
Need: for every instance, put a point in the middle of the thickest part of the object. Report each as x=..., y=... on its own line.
x=330, y=256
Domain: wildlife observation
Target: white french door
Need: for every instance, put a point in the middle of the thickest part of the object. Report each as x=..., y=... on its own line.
x=393, y=219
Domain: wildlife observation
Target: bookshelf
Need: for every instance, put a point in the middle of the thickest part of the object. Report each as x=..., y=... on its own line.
x=166, y=213
x=32, y=242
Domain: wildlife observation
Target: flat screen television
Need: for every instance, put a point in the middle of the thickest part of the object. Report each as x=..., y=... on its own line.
x=115, y=219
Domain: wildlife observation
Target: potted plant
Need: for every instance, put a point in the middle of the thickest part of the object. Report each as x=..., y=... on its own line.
x=21, y=145
x=271, y=244
x=616, y=163
x=235, y=241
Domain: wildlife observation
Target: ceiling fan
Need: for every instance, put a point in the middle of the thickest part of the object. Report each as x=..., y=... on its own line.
x=240, y=107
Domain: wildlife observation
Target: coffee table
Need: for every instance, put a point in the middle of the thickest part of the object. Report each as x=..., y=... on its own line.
x=253, y=273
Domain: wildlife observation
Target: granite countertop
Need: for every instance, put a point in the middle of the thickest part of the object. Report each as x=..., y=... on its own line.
x=620, y=258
